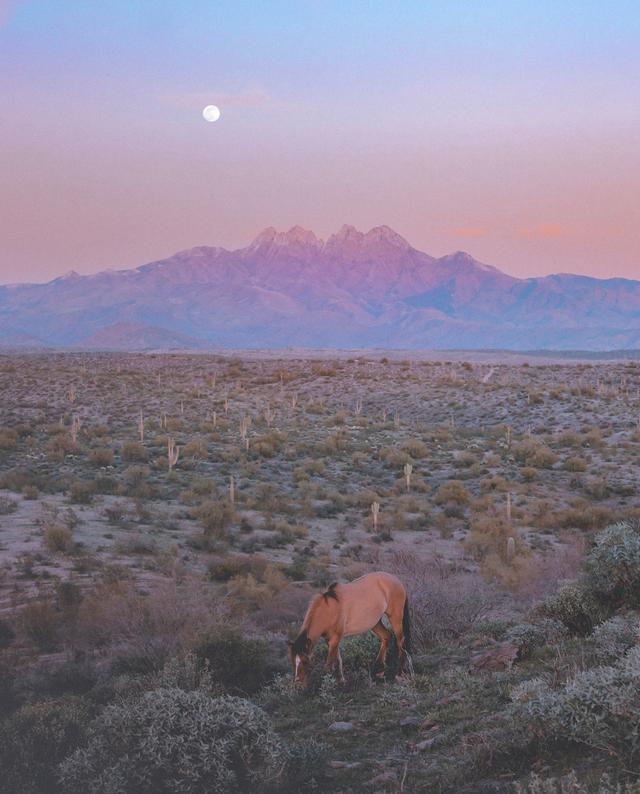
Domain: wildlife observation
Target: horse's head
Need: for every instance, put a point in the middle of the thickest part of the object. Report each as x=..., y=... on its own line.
x=300, y=656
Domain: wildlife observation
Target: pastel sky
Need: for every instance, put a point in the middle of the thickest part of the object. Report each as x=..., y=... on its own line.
x=506, y=128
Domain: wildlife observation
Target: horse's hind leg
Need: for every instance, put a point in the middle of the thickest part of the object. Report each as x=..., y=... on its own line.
x=395, y=613
x=384, y=635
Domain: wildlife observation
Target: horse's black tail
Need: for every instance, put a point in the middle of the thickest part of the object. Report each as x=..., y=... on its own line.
x=406, y=626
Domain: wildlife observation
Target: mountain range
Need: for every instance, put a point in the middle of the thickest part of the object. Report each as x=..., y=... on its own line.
x=291, y=289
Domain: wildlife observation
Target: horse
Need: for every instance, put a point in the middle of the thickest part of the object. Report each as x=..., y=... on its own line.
x=347, y=609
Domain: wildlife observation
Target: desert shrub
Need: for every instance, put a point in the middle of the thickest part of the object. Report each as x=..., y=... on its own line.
x=452, y=492
x=359, y=652
x=101, y=456
x=225, y=568
x=535, y=454
x=196, y=449
x=169, y=740
x=613, y=638
x=30, y=492
x=58, y=447
x=574, y=463
x=574, y=606
x=7, y=634
x=464, y=459
x=268, y=444
x=215, y=517
x=394, y=458
x=444, y=603
x=249, y=592
x=598, y=708
x=134, y=452
x=57, y=539
x=142, y=631
x=7, y=506
x=40, y=622
x=81, y=492
x=36, y=739
x=305, y=760
x=187, y=672
x=569, y=784
x=8, y=438
x=526, y=636
x=585, y=516
x=613, y=565
x=415, y=448
x=498, y=547
x=237, y=663
x=528, y=473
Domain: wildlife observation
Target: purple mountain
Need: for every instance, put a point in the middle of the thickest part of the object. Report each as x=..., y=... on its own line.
x=293, y=289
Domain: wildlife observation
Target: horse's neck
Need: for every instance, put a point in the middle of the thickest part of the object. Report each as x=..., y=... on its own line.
x=315, y=623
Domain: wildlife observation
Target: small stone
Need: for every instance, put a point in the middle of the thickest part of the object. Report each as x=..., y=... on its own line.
x=341, y=726
x=336, y=764
x=410, y=721
x=425, y=744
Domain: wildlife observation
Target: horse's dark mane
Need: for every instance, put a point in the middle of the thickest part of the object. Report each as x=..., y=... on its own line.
x=300, y=642
x=330, y=592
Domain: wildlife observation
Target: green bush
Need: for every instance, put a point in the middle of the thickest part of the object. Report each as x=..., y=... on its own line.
x=528, y=636
x=169, y=740
x=359, y=652
x=613, y=638
x=237, y=663
x=575, y=607
x=613, y=565
x=569, y=784
x=36, y=739
x=599, y=708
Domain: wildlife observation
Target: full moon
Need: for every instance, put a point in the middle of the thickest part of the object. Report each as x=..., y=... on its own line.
x=211, y=113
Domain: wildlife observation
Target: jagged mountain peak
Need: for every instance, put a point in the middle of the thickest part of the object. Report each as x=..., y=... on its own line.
x=295, y=236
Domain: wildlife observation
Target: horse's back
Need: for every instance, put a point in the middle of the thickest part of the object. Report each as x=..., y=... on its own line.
x=365, y=600
x=378, y=579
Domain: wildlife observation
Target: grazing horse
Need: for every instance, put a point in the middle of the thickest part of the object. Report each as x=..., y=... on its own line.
x=353, y=608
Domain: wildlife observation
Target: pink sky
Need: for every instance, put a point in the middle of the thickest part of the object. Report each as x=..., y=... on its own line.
x=510, y=138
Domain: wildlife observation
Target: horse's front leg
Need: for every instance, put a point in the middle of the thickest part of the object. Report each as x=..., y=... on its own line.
x=334, y=660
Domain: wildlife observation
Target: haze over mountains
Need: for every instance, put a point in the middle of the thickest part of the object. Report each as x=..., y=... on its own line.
x=292, y=289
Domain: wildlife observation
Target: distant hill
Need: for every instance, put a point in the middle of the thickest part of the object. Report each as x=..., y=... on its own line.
x=293, y=289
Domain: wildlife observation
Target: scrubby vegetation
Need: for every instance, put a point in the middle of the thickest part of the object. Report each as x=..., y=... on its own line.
x=164, y=521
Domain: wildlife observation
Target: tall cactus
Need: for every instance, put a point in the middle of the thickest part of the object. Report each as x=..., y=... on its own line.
x=375, y=509
x=511, y=549
x=408, y=469
x=173, y=452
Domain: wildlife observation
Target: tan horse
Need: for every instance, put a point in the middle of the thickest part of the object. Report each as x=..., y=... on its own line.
x=347, y=609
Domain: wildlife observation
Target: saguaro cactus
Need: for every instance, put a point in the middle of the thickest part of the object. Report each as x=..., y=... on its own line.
x=408, y=469
x=375, y=509
x=173, y=452
x=141, y=427
x=76, y=424
x=511, y=549
x=232, y=489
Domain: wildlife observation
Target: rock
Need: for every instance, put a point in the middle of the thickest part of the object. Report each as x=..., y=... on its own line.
x=341, y=727
x=411, y=721
x=425, y=744
x=429, y=725
x=500, y=657
x=344, y=764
